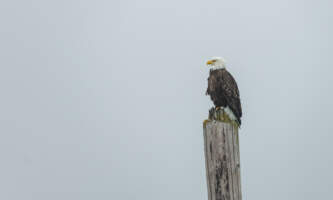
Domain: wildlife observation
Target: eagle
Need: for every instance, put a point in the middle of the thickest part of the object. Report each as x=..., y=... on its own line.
x=223, y=89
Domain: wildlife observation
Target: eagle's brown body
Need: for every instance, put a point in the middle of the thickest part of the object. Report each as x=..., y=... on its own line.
x=223, y=91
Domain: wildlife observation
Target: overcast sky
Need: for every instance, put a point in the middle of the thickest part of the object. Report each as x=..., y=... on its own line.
x=105, y=99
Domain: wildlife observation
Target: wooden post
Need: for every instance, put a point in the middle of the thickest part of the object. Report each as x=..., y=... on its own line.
x=222, y=157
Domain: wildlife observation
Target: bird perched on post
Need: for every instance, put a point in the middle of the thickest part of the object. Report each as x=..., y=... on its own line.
x=223, y=89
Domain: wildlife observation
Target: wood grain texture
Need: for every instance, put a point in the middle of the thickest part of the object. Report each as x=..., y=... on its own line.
x=222, y=160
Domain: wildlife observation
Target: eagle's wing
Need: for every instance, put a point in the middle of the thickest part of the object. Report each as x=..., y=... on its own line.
x=231, y=93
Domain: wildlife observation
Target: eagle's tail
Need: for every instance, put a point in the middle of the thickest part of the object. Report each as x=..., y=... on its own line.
x=239, y=122
x=232, y=116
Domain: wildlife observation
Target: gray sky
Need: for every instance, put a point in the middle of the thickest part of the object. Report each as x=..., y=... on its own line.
x=105, y=99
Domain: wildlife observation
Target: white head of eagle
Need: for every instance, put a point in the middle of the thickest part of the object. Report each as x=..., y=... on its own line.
x=223, y=89
x=216, y=63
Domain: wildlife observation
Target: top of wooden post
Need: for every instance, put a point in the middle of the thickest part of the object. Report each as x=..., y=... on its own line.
x=220, y=115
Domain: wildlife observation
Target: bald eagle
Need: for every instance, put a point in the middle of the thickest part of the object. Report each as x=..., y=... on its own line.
x=223, y=89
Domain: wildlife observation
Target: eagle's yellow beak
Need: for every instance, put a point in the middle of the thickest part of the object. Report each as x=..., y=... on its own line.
x=209, y=62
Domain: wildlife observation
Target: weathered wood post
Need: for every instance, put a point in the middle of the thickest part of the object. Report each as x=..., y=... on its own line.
x=222, y=157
